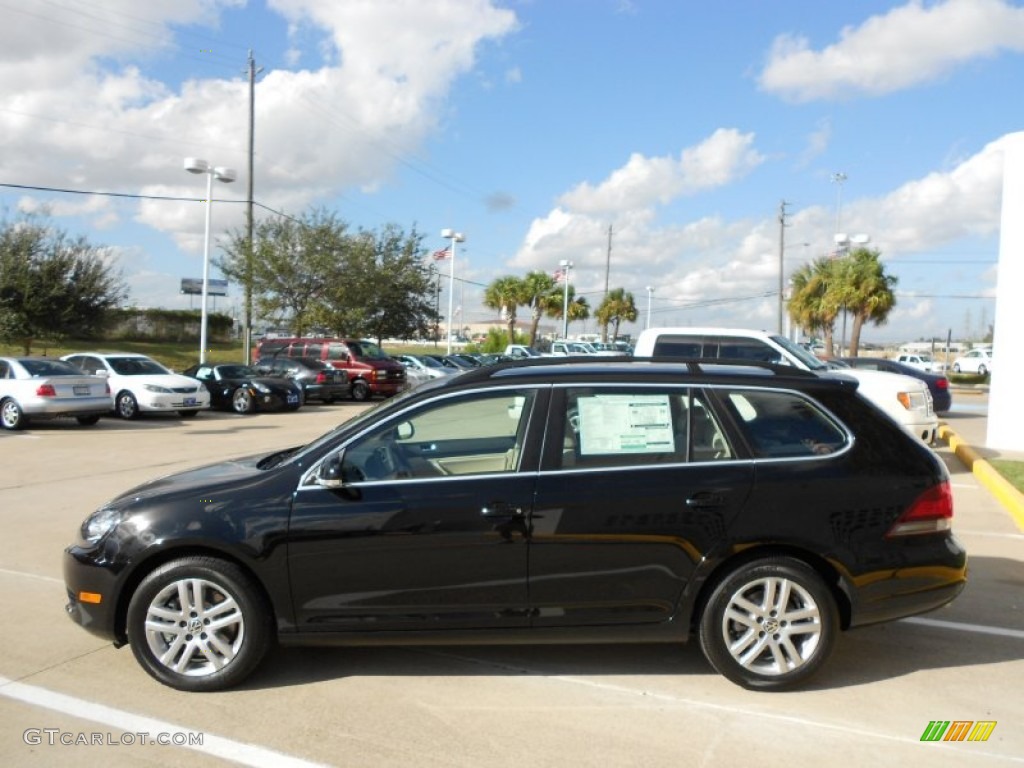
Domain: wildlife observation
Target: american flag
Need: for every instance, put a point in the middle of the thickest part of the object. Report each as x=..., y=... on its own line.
x=559, y=275
x=441, y=255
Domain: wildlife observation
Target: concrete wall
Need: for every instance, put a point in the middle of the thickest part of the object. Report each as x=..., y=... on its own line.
x=1005, y=411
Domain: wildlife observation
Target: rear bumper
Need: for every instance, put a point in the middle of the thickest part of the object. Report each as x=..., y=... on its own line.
x=48, y=407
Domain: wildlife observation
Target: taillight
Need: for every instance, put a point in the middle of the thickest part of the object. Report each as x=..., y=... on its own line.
x=321, y=378
x=931, y=512
x=942, y=383
x=46, y=390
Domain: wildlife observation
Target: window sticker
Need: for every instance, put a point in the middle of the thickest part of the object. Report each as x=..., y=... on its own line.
x=625, y=424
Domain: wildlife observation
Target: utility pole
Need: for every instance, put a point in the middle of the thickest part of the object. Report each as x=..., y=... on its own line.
x=782, y=264
x=608, y=261
x=247, y=332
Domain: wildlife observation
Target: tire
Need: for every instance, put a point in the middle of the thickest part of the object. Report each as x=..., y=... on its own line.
x=126, y=405
x=188, y=414
x=11, y=415
x=982, y=370
x=360, y=391
x=770, y=624
x=87, y=421
x=170, y=620
x=242, y=402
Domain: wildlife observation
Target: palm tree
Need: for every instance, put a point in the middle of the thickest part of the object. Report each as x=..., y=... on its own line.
x=538, y=289
x=618, y=306
x=554, y=304
x=870, y=297
x=506, y=294
x=816, y=303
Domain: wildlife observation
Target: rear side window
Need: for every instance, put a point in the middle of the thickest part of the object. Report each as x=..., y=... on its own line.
x=620, y=428
x=784, y=425
x=747, y=349
x=676, y=346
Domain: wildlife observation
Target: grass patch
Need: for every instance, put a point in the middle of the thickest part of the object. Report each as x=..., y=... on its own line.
x=967, y=378
x=1013, y=471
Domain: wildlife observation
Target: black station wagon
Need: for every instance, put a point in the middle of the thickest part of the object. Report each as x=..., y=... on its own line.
x=760, y=509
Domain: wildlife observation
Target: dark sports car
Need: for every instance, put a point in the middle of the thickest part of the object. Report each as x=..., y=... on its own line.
x=242, y=389
x=938, y=384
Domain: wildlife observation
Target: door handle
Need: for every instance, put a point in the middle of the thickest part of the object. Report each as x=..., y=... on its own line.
x=501, y=509
x=705, y=500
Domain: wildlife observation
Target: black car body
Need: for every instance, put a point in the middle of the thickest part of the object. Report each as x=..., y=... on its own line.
x=241, y=388
x=938, y=385
x=760, y=508
x=318, y=380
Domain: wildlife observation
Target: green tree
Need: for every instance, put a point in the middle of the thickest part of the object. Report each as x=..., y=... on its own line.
x=816, y=301
x=52, y=285
x=294, y=260
x=617, y=307
x=387, y=290
x=554, y=305
x=507, y=294
x=869, y=296
x=538, y=289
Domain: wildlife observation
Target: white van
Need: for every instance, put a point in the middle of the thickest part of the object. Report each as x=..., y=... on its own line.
x=904, y=398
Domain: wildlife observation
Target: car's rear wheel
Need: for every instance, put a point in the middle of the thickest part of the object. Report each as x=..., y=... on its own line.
x=770, y=624
x=11, y=415
x=982, y=370
x=199, y=624
x=242, y=402
x=360, y=390
x=87, y=421
x=127, y=405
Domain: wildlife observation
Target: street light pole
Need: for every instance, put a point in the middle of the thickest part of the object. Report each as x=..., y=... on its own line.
x=227, y=175
x=650, y=291
x=566, y=266
x=454, y=237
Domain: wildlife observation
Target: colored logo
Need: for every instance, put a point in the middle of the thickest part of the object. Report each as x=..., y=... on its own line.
x=958, y=730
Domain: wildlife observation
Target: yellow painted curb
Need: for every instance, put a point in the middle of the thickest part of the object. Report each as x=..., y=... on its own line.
x=1011, y=499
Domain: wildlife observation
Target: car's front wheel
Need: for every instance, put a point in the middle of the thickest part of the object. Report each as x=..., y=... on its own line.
x=770, y=624
x=982, y=370
x=241, y=401
x=199, y=624
x=127, y=405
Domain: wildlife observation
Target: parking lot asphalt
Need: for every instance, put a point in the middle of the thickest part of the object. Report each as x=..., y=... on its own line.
x=65, y=695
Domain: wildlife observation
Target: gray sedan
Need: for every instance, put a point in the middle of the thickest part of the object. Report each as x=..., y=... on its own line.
x=34, y=388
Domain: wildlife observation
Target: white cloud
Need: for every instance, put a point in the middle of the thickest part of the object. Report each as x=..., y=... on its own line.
x=908, y=45
x=721, y=158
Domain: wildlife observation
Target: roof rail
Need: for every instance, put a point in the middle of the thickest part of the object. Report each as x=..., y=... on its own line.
x=694, y=365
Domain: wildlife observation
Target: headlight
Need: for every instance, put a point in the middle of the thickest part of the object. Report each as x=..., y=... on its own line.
x=261, y=387
x=99, y=524
x=156, y=388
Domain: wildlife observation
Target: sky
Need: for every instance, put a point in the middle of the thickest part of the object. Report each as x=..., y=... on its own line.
x=652, y=143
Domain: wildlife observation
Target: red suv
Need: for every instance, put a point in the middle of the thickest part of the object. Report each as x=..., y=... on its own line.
x=369, y=370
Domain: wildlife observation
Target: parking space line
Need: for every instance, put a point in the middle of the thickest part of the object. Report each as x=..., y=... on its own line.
x=27, y=575
x=980, y=629
x=128, y=722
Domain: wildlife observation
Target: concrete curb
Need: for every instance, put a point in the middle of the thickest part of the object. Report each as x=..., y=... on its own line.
x=1011, y=499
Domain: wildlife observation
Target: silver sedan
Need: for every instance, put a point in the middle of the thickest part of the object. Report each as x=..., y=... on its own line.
x=35, y=388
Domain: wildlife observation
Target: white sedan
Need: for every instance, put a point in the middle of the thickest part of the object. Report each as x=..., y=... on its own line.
x=35, y=388
x=975, y=361
x=139, y=383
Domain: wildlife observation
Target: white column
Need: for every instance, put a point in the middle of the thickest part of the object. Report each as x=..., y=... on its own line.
x=1005, y=417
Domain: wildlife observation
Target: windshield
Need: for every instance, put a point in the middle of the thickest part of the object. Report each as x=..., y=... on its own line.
x=235, y=371
x=431, y=362
x=367, y=350
x=800, y=353
x=136, y=366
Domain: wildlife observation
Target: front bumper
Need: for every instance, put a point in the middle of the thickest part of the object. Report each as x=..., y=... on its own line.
x=172, y=401
x=92, y=592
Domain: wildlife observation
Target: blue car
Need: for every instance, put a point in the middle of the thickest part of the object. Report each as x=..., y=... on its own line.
x=938, y=385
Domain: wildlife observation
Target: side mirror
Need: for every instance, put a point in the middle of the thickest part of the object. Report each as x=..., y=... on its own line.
x=405, y=430
x=329, y=474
